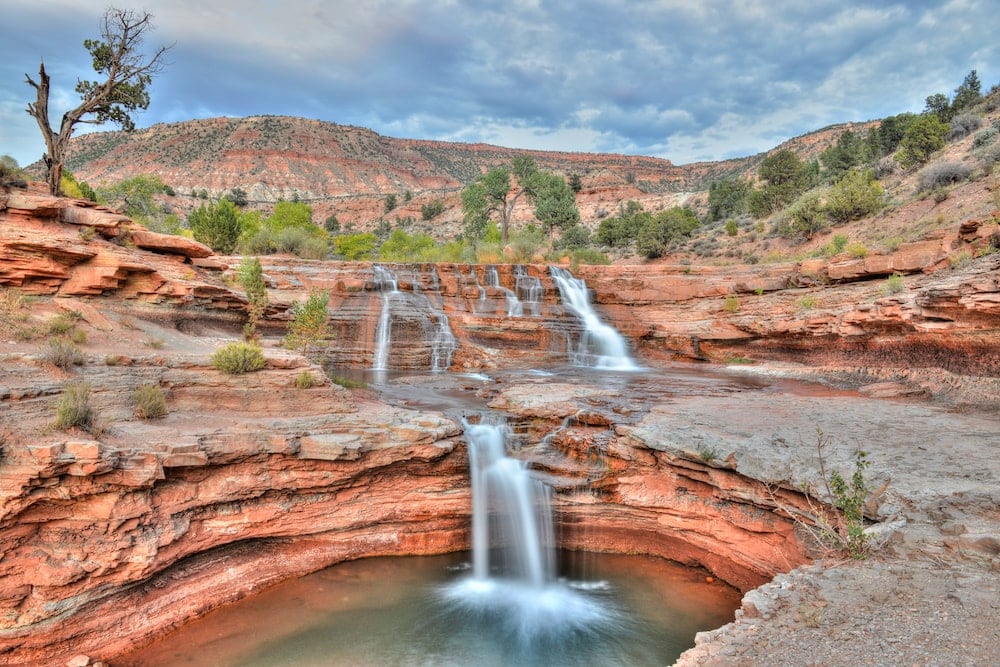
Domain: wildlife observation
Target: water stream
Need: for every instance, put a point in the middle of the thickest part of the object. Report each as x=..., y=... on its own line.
x=513, y=600
x=600, y=346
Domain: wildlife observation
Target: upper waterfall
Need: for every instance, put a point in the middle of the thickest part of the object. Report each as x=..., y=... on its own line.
x=600, y=346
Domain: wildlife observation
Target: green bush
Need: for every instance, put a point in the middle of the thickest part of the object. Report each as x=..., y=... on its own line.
x=356, y=247
x=923, y=136
x=574, y=237
x=73, y=408
x=802, y=219
x=149, y=402
x=985, y=137
x=431, y=210
x=855, y=196
x=217, y=226
x=893, y=284
x=659, y=234
x=236, y=358
x=588, y=256
x=857, y=250
x=310, y=323
x=404, y=247
x=250, y=275
x=305, y=380
x=525, y=243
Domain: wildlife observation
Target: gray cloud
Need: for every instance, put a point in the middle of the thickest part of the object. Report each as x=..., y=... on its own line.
x=685, y=81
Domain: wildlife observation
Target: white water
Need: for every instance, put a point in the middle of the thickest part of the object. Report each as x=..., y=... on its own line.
x=514, y=308
x=387, y=284
x=442, y=340
x=444, y=344
x=529, y=290
x=513, y=550
x=600, y=346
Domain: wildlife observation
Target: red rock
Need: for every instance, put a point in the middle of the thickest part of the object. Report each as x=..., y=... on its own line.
x=169, y=243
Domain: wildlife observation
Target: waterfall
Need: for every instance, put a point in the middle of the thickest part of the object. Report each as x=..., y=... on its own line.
x=443, y=347
x=513, y=588
x=528, y=288
x=514, y=308
x=388, y=286
x=522, y=517
x=600, y=346
x=413, y=309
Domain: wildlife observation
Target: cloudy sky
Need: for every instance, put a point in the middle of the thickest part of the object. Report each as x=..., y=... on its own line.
x=681, y=79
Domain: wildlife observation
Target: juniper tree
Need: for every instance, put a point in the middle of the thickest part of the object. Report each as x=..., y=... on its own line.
x=125, y=74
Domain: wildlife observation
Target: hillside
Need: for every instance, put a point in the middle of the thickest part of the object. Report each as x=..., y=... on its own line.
x=349, y=171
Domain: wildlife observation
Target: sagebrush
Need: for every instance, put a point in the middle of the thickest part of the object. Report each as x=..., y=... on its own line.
x=239, y=357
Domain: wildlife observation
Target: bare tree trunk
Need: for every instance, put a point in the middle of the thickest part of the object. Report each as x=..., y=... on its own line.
x=39, y=110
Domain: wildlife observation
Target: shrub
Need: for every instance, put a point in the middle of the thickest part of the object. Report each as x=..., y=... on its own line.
x=13, y=310
x=857, y=250
x=802, y=219
x=73, y=408
x=855, y=196
x=732, y=304
x=310, y=323
x=960, y=259
x=149, y=401
x=989, y=156
x=941, y=174
x=923, y=136
x=525, y=243
x=251, y=278
x=356, y=246
x=588, y=256
x=657, y=235
x=431, y=210
x=963, y=125
x=218, y=226
x=807, y=302
x=574, y=237
x=850, y=498
x=305, y=380
x=884, y=166
x=347, y=383
x=985, y=137
x=236, y=358
x=836, y=245
x=61, y=325
x=894, y=284
x=63, y=353
x=10, y=173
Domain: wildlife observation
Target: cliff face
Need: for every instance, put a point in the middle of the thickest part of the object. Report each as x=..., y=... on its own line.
x=250, y=479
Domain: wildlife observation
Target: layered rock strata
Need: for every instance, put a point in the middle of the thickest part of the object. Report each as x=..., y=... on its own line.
x=249, y=479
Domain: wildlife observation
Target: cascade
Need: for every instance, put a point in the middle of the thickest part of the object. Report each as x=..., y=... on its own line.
x=514, y=308
x=416, y=308
x=388, y=286
x=528, y=289
x=513, y=577
x=443, y=345
x=600, y=346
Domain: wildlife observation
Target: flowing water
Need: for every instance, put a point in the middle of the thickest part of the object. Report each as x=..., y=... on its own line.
x=600, y=346
x=513, y=600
